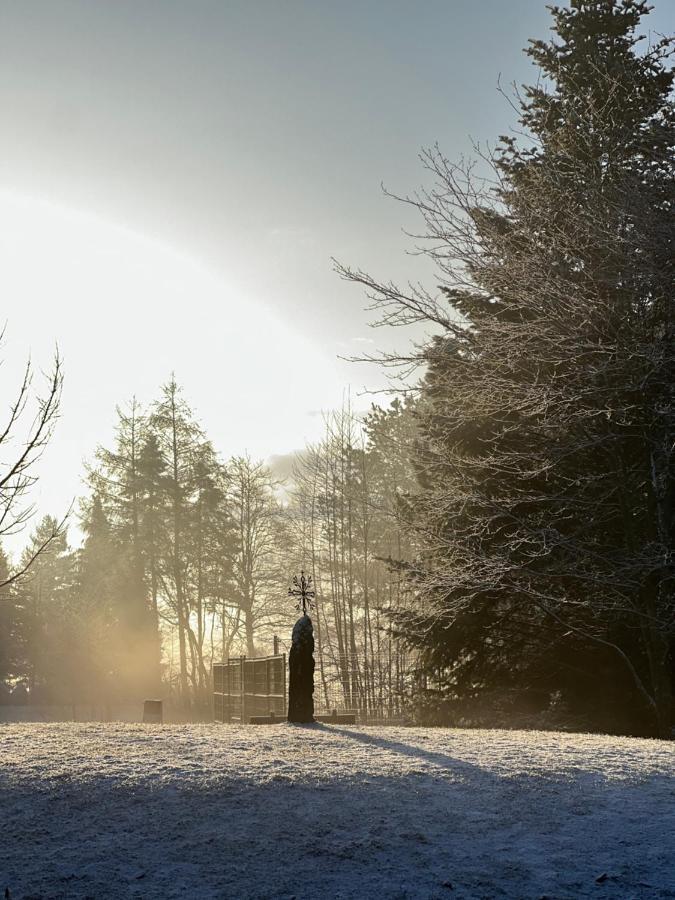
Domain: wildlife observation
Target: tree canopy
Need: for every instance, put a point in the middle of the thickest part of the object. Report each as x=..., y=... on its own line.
x=546, y=408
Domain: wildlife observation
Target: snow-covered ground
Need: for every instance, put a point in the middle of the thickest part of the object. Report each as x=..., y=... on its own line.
x=213, y=811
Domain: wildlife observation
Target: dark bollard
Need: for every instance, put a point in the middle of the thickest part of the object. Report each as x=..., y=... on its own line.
x=152, y=712
x=301, y=672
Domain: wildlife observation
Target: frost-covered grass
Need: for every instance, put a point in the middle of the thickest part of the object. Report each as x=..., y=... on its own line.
x=222, y=811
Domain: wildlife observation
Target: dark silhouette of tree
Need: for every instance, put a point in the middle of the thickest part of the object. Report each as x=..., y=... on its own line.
x=44, y=634
x=122, y=480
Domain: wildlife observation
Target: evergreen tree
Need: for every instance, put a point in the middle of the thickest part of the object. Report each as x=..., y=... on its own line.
x=121, y=482
x=152, y=530
x=178, y=436
x=166, y=543
x=44, y=636
x=92, y=610
x=546, y=416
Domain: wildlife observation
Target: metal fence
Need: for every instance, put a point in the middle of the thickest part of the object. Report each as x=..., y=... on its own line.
x=249, y=687
x=377, y=689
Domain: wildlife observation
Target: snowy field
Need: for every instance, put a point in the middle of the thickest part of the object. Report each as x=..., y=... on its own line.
x=326, y=811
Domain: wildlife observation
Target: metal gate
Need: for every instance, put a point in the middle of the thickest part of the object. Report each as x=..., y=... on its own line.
x=249, y=687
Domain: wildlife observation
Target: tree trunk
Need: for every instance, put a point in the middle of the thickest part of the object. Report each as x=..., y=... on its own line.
x=248, y=624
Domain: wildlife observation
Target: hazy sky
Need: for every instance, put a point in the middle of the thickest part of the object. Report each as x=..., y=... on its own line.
x=176, y=174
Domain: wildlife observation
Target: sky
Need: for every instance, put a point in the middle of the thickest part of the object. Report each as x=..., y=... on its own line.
x=176, y=176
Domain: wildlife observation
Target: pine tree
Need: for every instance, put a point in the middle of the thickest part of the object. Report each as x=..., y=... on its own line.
x=123, y=480
x=191, y=494
x=44, y=637
x=152, y=530
x=93, y=609
x=546, y=415
x=161, y=489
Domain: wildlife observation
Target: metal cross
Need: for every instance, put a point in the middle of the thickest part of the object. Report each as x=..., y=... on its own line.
x=302, y=589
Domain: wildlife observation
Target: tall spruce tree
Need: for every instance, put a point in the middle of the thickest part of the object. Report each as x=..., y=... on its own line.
x=122, y=481
x=546, y=414
x=44, y=637
x=152, y=528
x=96, y=651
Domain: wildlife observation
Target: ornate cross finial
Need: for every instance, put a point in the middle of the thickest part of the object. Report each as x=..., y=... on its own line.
x=303, y=591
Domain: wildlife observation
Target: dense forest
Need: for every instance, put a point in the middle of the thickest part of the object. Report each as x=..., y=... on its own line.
x=493, y=545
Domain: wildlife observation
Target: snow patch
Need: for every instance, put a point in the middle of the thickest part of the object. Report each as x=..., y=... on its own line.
x=218, y=811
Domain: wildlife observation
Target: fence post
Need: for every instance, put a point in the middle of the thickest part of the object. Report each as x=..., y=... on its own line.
x=242, y=704
x=213, y=693
x=285, y=695
x=276, y=645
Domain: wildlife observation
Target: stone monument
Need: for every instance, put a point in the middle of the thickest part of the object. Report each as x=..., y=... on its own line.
x=301, y=658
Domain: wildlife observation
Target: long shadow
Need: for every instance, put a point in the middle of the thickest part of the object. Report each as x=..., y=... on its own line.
x=449, y=763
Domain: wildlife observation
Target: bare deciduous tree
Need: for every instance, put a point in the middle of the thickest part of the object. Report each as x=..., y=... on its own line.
x=20, y=451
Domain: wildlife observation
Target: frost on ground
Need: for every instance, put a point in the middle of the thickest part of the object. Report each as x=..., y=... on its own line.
x=100, y=811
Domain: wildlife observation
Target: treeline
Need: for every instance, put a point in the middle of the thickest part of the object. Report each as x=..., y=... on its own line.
x=179, y=565
x=187, y=559
x=75, y=629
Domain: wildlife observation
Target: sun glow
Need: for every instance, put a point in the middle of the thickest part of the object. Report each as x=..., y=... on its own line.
x=125, y=312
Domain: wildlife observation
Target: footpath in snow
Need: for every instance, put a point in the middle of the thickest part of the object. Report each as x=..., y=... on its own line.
x=213, y=811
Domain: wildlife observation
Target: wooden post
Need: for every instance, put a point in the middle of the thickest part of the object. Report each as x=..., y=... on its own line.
x=284, y=692
x=152, y=712
x=276, y=645
x=242, y=698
